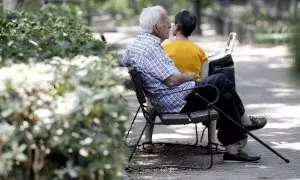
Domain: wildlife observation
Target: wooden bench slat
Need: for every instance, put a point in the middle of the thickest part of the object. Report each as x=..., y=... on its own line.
x=201, y=116
x=174, y=119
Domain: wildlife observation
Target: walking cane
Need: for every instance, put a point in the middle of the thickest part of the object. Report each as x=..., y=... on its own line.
x=244, y=129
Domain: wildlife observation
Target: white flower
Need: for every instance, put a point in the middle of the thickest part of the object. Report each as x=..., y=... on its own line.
x=43, y=113
x=83, y=152
x=6, y=131
x=33, y=42
x=86, y=141
x=67, y=104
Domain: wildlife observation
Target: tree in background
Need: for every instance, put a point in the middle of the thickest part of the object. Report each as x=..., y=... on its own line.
x=115, y=7
x=197, y=6
x=86, y=11
x=9, y=5
x=279, y=7
x=294, y=9
x=197, y=11
x=133, y=5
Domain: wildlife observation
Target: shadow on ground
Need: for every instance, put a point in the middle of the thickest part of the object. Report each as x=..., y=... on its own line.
x=173, y=157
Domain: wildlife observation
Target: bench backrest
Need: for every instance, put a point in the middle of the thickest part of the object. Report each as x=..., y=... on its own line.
x=137, y=84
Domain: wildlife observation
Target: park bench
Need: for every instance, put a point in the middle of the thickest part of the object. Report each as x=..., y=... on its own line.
x=150, y=114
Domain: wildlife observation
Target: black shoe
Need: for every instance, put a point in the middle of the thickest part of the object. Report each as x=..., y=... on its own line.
x=241, y=156
x=257, y=123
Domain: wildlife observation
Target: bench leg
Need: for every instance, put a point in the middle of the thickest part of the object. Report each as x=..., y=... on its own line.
x=149, y=133
x=150, y=127
x=138, y=110
x=138, y=141
x=196, y=130
x=210, y=123
x=212, y=130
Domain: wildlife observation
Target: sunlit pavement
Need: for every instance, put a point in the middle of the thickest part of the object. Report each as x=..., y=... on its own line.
x=266, y=87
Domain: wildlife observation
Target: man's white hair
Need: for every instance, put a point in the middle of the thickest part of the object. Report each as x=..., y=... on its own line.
x=150, y=16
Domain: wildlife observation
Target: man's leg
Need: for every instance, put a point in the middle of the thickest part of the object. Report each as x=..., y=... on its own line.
x=147, y=145
x=224, y=84
x=245, y=120
x=192, y=106
x=231, y=133
x=149, y=133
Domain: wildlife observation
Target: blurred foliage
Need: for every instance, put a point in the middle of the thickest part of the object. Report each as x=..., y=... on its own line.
x=277, y=33
x=249, y=18
x=61, y=115
x=45, y=32
x=115, y=5
x=135, y=6
x=62, y=120
x=273, y=38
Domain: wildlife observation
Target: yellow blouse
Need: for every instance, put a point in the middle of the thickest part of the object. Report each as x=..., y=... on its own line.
x=187, y=56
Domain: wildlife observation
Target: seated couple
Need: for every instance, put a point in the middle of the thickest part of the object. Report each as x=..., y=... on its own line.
x=160, y=75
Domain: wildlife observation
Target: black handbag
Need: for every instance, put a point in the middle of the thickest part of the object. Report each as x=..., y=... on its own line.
x=222, y=63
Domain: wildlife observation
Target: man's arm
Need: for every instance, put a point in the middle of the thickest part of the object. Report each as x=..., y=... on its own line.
x=160, y=66
x=177, y=79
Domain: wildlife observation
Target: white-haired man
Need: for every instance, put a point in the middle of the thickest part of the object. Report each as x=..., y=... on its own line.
x=159, y=76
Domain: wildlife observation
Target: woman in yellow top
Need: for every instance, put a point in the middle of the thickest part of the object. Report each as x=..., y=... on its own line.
x=187, y=56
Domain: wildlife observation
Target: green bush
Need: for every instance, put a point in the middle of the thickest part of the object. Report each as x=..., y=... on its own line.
x=44, y=33
x=63, y=119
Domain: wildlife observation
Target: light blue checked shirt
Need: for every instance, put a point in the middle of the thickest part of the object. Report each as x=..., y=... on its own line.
x=149, y=58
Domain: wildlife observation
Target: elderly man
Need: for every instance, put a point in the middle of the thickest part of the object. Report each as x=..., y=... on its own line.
x=159, y=76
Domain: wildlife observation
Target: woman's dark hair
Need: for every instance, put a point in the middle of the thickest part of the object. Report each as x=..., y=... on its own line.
x=186, y=22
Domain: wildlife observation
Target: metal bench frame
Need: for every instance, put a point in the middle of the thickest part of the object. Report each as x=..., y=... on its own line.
x=171, y=118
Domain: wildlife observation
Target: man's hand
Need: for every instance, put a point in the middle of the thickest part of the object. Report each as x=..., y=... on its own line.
x=191, y=76
x=177, y=79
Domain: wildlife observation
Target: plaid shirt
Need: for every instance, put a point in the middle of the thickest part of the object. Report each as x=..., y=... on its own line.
x=149, y=58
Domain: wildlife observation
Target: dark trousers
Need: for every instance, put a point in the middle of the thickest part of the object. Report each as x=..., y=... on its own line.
x=229, y=102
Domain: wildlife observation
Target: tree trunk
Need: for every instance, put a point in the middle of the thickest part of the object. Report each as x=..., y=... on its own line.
x=293, y=9
x=279, y=5
x=296, y=10
x=167, y=4
x=133, y=6
x=254, y=7
x=197, y=11
x=86, y=12
x=9, y=5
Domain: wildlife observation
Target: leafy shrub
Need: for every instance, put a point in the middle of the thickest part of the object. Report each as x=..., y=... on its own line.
x=62, y=120
x=45, y=33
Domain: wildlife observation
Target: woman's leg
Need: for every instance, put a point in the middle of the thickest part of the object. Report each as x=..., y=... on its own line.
x=226, y=103
x=229, y=132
